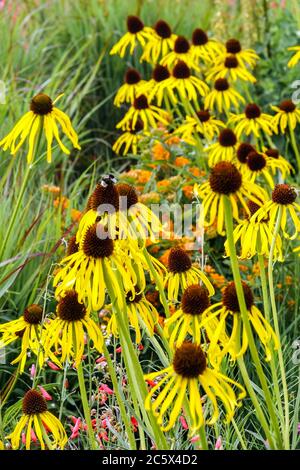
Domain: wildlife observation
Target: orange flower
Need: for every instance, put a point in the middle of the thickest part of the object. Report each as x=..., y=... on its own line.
x=51, y=189
x=159, y=152
x=173, y=140
x=164, y=257
x=150, y=198
x=196, y=171
x=181, y=161
x=62, y=202
x=75, y=215
x=188, y=191
x=163, y=185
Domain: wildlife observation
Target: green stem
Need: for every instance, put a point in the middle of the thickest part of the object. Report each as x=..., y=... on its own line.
x=159, y=284
x=247, y=326
x=86, y=408
x=120, y=400
x=294, y=145
x=276, y=326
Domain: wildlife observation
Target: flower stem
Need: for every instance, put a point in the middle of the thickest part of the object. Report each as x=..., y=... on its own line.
x=86, y=408
x=120, y=400
x=247, y=326
x=294, y=145
x=276, y=326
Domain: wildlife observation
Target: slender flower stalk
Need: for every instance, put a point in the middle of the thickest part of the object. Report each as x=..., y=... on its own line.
x=86, y=408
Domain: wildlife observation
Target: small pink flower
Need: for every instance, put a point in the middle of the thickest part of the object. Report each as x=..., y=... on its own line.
x=100, y=359
x=183, y=422
x=32, y=371
x=194, y=439
x=53, y=366
x=218, y=445
x=106, y=389
x=32, y=437
x=45, y=393
x=119, y=349
x=134, y=423
x=140, y=347
x=2, y=4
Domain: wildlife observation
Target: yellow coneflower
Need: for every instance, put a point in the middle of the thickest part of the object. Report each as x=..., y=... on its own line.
x=89, y=269
x=242, y=152
x=287, y=115
x=244, y=56
x=296, y=57
x=149, y=114
x=141, y=313
x=181, y=52
x=160, y=43
x=130, y=89
x=158, y=87
x=255, y=237
x=203, y=47
x=182, y=273
x=187, y=86
x=284, y=197
x=282, y=164
x=36, y=418
x=43, y=116
x=259, y=165
x=230, y=68
x=136, y=34
x=203, y=123
x=66, y=333
x=129, y=140
x=181, y=381
x=224, y=149
x=27, y=329
x=251, y=121
x=190, y=318
x=223, y=96
x=225, y=180
x=229, y=308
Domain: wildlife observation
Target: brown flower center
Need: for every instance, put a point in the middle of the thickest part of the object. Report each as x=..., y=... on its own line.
x=252, y=111
x=132, y=77
x=189, y=360
x=178, y=261
x=199, y=37
x=256, y=161
x=273, y=153
x=181, y=70
x=33, y=314
x=195, y=300
x=221, y=84
x=96, y=243
x=225, y=178
x=134, y=24
x=141, y=102
x=230, y=298
x=73, y=246
x=69, y=309
x=181, y=45
x=231, y=62
x=203, y=115
x=253, y=207
x=41, y=104
x=227, y=138
x=287, y=106
x=162, y=29
x=284, y=194
x=243, y=151
x=105, y=194
x=160, y=73
x=128, y=196
x=233, y=46
x=33, y=403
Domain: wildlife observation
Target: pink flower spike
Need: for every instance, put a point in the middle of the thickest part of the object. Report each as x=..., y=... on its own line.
x=104, y=388
x=119, y=349
x=45, y=393
x=53, y=366
x=32, y=371
x=183, y=422
x=194, y=439
x=100, y=359
x=218, y=445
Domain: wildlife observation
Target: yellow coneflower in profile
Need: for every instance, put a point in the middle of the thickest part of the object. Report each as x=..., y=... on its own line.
x=182, y=273
x=181, y=52
x=255, y=238
x=251, y=122
x=129, y=140
x=296, y=57
x=158, y=87
x=224, y=149
x=36, y=418
x=223, y=97
x=203, y=47
x=203, y=124
x=181, y=381
x=66, y=333
x=136, y=34
x=187, y=86
x=42, y=117
x=160, y=43
x=141, y=314
x=282, y=164
x=27, y=329
x=130, y=89
x=190, y=318
x=259, y=165
x=236, y=343
x=230, y=68
x=287, y=115
x=283, y=198
x=225, y=181
x=149, y=114
x=244, y=56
